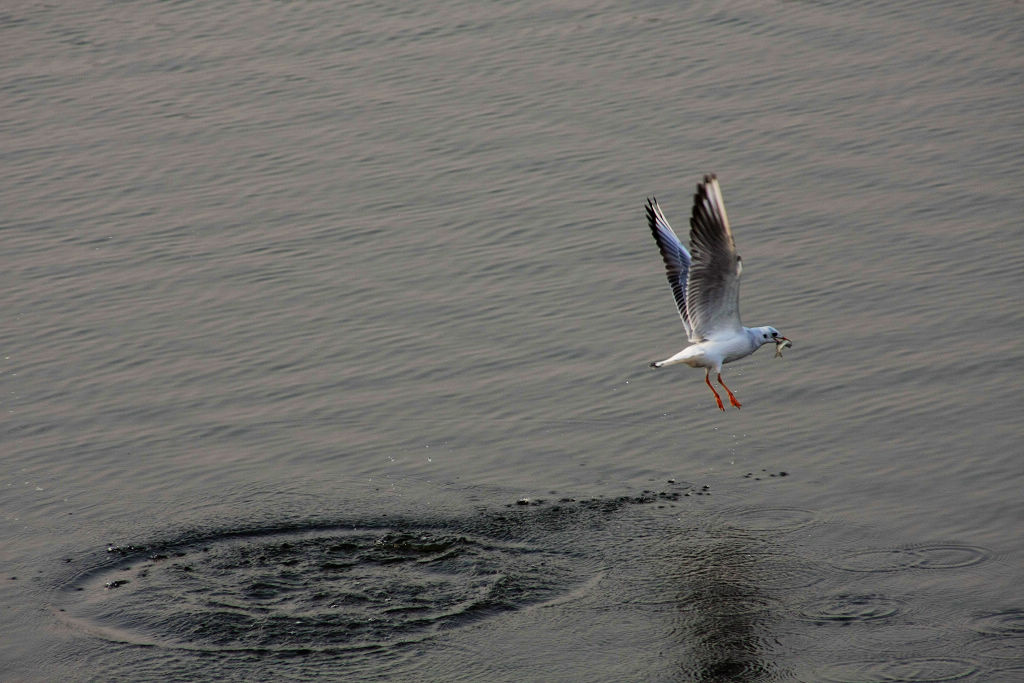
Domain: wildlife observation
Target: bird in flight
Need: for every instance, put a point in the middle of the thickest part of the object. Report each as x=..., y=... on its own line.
x=705, y=282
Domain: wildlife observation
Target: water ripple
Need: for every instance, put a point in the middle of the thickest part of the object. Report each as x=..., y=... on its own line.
x=925, y=556
x=770, y=518
x=851, y=608
x=1009, y=623
x=908, y=670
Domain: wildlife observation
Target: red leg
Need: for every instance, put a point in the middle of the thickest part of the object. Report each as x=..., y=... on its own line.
x=717, y=397
x=732, y=399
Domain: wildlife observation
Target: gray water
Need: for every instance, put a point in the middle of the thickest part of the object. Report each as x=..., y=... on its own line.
x=326, y=326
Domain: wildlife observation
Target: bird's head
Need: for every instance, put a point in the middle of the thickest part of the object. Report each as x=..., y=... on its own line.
x=770, y=335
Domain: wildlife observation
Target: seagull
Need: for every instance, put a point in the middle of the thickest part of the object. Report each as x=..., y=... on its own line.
x=706, y=287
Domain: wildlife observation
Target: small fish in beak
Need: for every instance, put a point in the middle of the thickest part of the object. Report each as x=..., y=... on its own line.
x=780, y=344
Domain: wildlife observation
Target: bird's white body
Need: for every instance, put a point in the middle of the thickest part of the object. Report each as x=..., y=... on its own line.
x=706, y=287
x=713, y=353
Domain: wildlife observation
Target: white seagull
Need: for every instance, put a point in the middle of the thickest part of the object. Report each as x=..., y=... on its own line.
x=706, y=286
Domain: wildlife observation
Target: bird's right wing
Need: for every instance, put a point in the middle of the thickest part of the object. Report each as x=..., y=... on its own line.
x=713, y=288
x=676, y=258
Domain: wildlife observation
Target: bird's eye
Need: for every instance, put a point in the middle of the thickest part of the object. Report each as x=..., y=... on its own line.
x=766, y=336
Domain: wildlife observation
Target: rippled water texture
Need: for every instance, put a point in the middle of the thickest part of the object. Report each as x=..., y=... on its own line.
x=325, y=335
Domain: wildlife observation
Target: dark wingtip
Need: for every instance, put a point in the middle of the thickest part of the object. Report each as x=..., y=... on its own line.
x=652, y=217
x=702, y=186
x=653, y=364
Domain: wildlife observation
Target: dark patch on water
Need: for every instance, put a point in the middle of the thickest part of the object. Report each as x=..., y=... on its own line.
x=351, y=585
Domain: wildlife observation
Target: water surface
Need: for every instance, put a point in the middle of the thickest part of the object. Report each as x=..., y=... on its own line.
x=302, y=299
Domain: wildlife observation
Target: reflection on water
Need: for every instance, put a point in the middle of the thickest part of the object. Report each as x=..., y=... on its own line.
x=726, y=617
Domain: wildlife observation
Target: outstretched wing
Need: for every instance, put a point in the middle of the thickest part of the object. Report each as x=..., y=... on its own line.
x=713, y=288
x=675, y=256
